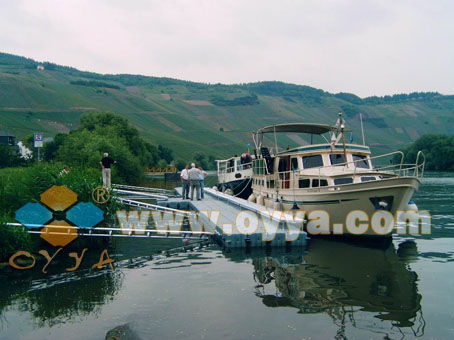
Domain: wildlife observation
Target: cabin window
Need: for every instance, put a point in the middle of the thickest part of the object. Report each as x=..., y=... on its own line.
x=312, y=161
x=337, y=159
x=283, y=165
x=231, y=166
x=368, y=178
x=345, y=180
x=304, y=183
x=361, y=161
x=295, y=164
x=319, y=183
x=222, y=167
x=258, y=166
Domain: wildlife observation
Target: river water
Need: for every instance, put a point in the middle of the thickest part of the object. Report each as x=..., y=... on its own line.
x=325, y=290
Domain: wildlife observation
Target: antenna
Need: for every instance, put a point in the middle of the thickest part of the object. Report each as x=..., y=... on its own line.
x=362, y=128
x=342, y=127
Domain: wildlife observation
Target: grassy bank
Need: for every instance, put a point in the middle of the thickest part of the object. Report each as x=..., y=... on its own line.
x=21, y=185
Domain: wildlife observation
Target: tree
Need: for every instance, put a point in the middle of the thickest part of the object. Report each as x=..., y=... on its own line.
x=6, y=157
x=85, y=149
x=211, y=162
x=165, y=153
x=180, y=164
x=162, y=163
x=9, y=156
x=199, y=158
x=50, y=148
x=438, y=150
x=108, y=132
x=154, y=154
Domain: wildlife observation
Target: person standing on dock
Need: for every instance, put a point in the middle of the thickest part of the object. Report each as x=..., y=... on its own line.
x=106, y=162
x=203, y=174
x=184, y=177
x=194, y=180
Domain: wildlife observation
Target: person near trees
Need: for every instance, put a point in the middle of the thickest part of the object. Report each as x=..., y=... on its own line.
x=184, y=177
x=194, y=180
x=202, y=176
x=106, y=162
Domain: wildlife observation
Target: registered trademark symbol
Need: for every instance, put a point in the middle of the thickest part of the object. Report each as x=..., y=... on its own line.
x=100, y=195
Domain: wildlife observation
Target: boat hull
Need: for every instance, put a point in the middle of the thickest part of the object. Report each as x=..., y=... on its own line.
x=339, y=201
x=241, y=188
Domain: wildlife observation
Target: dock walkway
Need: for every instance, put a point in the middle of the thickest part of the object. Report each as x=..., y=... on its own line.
x=241, y=223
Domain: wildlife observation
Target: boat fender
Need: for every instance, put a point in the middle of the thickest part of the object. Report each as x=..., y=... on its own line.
x=277, y=205
x=260, y=200
x=228, y=192
x=215, y=188
x=382, y=204
x=412, y=206
x=252, y=198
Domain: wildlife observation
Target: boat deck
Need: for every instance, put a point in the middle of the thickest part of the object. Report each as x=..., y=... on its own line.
x=234, y=213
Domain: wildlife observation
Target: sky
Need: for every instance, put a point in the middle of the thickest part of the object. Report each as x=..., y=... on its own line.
x=359, y=46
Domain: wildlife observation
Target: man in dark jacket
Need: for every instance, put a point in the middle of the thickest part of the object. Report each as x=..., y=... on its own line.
x=106, y=162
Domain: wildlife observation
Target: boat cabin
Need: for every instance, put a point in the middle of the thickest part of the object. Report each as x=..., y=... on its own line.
x=311, y=166
x=331, y=175
x=234, y=168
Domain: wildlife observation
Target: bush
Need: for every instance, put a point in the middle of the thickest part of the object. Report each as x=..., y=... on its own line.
x=239, y=101
x=13, y=239
x=19, y=186
x=9, y=156
x=94, y=83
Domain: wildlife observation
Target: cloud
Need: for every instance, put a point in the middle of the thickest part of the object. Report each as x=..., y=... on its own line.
x=364, y=47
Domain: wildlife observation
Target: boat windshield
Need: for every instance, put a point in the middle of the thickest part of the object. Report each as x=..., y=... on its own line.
x=361, y=161
x=337, y=159
x=314, y=161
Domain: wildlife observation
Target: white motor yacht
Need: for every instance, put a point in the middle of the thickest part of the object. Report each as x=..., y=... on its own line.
x=332, y=176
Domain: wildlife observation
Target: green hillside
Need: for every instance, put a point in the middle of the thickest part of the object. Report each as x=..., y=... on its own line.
x=216, y=119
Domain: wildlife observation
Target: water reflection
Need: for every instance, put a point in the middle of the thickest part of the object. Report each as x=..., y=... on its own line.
x=62, y=297
x=342, y=279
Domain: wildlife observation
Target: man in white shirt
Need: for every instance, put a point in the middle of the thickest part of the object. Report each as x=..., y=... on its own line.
x=184, y=177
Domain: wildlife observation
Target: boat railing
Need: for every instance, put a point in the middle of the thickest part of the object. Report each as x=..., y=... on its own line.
x=235, y=168
x=283, y=178
x=405, y=170
x=420, y=166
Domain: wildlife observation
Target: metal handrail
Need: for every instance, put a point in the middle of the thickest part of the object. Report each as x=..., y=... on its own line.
x=420, y=153
x=399, y=169
x=241, y=167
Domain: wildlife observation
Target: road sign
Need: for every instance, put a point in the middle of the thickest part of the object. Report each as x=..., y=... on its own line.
x=38, y=139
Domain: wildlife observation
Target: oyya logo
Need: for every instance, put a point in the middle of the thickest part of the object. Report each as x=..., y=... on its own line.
x=59, y=215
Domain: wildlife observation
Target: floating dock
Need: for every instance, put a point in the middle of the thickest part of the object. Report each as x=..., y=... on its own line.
x=242, y=223
x=232, y=221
